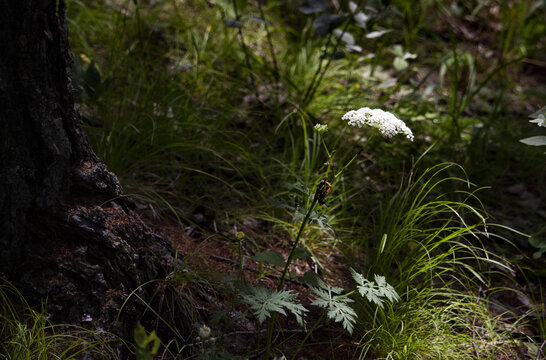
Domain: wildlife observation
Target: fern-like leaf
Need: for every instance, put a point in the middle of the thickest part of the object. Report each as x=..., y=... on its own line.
x=264, y=301
x=375, y=292
x=338, y=306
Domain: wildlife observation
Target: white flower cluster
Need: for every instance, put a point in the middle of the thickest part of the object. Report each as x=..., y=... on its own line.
x=388, y=124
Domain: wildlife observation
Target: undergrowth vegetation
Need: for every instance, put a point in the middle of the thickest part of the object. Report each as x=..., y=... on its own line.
x=300, y=235
x=27, y=334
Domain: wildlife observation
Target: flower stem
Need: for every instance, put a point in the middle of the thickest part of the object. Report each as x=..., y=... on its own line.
x=305, y=220
x=273, y=317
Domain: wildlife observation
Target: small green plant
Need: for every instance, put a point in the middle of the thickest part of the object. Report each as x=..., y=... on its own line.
x=27, y=334
x=146, y=344
x=539, y=244
x=265, y=303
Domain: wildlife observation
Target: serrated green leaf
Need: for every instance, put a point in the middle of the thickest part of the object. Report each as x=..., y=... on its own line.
x=380, y=280
x=375, y=292
x=301, y=253
x=337, y=305
x=270, y=257
x=264, y=301
x=358, y=278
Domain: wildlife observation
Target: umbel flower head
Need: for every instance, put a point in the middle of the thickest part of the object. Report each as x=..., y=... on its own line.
x=388, y=124
x=321, y=128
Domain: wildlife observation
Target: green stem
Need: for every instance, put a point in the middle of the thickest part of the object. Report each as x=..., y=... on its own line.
x=272, y=319
x=305, y=220
x=270, y=43
x=345, y=167
x=243, y=44
x=330, y=157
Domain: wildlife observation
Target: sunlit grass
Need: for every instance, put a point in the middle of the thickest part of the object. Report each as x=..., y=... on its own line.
x=432, y=250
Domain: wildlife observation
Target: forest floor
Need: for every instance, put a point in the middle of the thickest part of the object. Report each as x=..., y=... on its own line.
x=206, y=111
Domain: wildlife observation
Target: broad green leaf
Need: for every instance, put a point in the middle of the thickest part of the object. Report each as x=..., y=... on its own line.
x=354, y=48
x=311, y=279
x=376, y=34
x=326, y=23
x=387, y=84
x=536, y=242
x=539, y=120
x=400, y=64
x=270, y=257
x=232, y=23
x=398, y=50
x=535, y=140
x=345, y=36
x=313, y=6
x=537, y=114
x=301, y=253
x=337, y=55
x=361, y=19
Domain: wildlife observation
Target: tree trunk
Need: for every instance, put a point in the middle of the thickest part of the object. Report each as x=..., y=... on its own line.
x=63, y=237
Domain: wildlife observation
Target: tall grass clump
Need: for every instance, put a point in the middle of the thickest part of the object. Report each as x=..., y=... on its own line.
x=158, y=115
x=430, y=245
x=27, y=334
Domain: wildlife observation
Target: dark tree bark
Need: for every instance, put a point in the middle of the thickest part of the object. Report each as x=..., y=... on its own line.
x=62, y=235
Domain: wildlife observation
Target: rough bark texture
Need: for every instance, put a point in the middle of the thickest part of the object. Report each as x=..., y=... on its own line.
x=61, y=237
